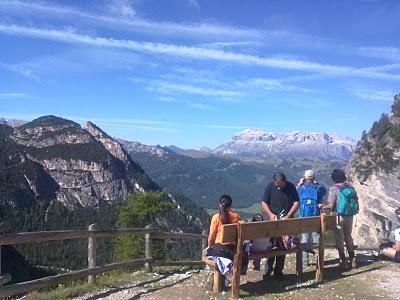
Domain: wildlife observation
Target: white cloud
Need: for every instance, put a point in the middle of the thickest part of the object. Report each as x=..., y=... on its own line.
x=164, y=87
x=166, y=99
x=127, y=22
x=221, y=45
x=372, y=94
x=389, y=53
x=200, y=106
x=272, y=85
x=347, y=119
x=25, y=69
x=68, y=36
x=13, y=95
x=122, y=8
x=218, y=126
x=310, y=103
x=193, y=3
x=132, y=124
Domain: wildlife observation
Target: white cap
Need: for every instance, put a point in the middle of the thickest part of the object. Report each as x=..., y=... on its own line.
x=309, y=174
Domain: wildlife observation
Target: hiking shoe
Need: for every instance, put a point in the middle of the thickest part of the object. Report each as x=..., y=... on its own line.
x=344, y=264
x=354, y=263
x=267, y=276
x=278, y=275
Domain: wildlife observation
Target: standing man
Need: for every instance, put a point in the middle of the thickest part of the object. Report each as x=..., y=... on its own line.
x=280, y=201
x=310, y=194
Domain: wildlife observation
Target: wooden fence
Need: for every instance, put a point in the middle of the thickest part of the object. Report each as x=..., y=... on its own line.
x=92, y=270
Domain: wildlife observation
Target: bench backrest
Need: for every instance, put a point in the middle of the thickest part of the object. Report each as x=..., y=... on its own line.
x=263, y=229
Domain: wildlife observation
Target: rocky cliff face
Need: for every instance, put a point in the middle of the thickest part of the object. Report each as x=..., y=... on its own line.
x=79, y=166
x=256, y=142
x=375, y=173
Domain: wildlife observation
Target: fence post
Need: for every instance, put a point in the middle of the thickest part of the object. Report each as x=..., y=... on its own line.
x=4, y=278
x=91, y=253
x=204, y=242
x=321, y=250
x=147, y=250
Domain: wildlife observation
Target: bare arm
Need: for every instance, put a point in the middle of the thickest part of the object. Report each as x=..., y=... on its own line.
x=268, y=211
x=331, y=201
x=213, y=232
x=396, y=245
x=292, y=211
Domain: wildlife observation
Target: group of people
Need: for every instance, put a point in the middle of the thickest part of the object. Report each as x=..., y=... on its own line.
x=281, y=200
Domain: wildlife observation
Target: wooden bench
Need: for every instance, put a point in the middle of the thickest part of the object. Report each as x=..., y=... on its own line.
x=238, y=233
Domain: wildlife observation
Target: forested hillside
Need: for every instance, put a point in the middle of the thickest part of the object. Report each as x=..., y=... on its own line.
x=205, y=178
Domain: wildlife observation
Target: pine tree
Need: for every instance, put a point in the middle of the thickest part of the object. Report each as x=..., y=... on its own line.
x=140, y=210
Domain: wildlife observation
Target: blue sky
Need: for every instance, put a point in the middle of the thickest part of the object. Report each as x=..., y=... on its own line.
x=192, y=73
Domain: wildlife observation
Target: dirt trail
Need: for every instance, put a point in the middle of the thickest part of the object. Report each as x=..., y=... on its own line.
x=374, y=279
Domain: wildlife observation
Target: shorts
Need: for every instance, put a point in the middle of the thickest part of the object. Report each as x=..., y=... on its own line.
x=397, y=256
x=397, y=234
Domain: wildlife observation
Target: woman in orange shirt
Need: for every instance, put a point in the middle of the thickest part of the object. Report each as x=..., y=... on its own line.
x=225, y=216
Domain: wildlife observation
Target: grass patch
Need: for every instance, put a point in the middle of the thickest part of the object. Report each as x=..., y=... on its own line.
x=80, y=287
x=119, y=278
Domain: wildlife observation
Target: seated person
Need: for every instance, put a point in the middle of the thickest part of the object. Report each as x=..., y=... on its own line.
x=260, y=245
x=392, y=250
x=224, y=216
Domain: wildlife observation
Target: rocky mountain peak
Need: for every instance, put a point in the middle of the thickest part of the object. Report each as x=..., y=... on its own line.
x=79, y=167
x=49, y=121
x=137, y=147
x=109, y=143
x=256, y=142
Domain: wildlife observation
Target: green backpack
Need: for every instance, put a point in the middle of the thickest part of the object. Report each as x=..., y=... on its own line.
x=347, y=201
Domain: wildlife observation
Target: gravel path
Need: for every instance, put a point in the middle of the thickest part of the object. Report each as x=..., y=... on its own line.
x=374, y=279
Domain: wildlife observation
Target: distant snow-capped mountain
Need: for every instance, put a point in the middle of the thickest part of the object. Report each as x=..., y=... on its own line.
x=256, y=142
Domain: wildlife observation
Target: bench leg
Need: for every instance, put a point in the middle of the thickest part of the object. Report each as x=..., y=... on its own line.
x=299, y=264
x=218, y=281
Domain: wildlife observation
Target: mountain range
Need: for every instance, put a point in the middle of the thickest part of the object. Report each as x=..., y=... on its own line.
x=204, y=176
x=52, y=160
x=256, y=142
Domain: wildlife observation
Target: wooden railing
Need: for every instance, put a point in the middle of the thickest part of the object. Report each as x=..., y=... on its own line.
x=92, y=270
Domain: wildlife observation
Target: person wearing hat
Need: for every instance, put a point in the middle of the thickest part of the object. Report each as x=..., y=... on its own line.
x=311, y=195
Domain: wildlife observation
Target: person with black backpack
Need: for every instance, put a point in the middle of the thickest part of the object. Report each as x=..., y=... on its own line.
x=311, y=194
x=343, y=199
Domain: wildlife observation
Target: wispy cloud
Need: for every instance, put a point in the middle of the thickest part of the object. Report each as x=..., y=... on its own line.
x=231, y=44
x=200, y=106
x=272, y=85
x=13, y=95
x=68, y=36
x=221, y=126
x=130, y=124
x=122, y=8
x=310, y=103
x=193, y=3
x=164, y=87
x=372, y=95
x=24, y=69
x=166, y=99
x=347, y=119
x=127, y=20
x=389, y=53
